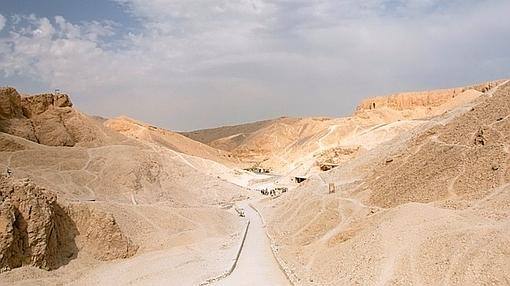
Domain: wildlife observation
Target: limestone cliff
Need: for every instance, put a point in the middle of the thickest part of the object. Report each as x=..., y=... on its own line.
x=427, y=99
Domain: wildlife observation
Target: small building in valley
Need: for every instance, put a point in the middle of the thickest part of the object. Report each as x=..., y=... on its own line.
x=327, y=166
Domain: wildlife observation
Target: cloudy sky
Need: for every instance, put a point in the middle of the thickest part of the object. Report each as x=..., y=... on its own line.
x=188, y=64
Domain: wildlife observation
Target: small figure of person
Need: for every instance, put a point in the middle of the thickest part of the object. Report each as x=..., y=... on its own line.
x=9, y=172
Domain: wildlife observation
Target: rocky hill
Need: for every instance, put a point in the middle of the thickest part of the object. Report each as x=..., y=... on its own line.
x=84, y=190
x=297, y=146
x=169, y=139
x=421, y=193
x=48, y=119
x=429, y=207
x=463, y=159
x=429, y=99
x=216, y=136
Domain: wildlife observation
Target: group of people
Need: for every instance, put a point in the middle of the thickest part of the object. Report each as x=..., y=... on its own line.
x=273, y=192
x=266, y=192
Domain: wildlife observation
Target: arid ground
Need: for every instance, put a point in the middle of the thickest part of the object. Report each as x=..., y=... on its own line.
x=411, y=189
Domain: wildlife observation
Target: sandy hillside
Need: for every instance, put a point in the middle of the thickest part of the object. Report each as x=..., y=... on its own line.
x=226, y=137
x=429, y=207
x=112, y=181
x=422, y=195
x=297, y=146
x=169, y=139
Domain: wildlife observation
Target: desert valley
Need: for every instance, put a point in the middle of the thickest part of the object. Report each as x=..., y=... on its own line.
x=411, y=189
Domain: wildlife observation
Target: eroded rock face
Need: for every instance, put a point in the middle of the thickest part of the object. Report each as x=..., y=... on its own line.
x=50, y=129
x=410, y=100
x=46, y=113
x=426, y=99
x=12, y=120
x=37, y=118
x=35, y=230
x=10, y=103
x=48, y=119
x=38, y=104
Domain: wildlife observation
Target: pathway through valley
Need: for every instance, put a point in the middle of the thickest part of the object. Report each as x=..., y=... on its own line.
x=256, y=265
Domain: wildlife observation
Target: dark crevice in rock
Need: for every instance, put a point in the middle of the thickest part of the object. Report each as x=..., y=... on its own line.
x=33, y=131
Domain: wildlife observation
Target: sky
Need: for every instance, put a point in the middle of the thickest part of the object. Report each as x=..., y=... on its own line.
x=191, y=64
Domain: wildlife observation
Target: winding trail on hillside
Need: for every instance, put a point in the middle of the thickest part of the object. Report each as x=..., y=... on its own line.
x=256, y=264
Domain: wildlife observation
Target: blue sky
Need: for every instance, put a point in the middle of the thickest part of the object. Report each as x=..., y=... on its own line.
x=187, y=64
x=73, y=10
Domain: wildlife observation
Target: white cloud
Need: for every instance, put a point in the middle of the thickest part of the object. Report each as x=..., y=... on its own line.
x=202, y=63
x=2, y=22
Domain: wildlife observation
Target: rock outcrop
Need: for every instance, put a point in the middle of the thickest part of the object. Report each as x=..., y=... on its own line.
x=38, y=104
x=36, y=230
x=427, y=99
x=10, y=104
x=48, y=119
x=12, y=120
x=458, y=159
x=430, y=207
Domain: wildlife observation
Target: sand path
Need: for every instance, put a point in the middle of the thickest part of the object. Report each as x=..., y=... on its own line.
x=256, y=265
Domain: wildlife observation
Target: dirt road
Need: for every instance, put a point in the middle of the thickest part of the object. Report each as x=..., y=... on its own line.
x=256, y=265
